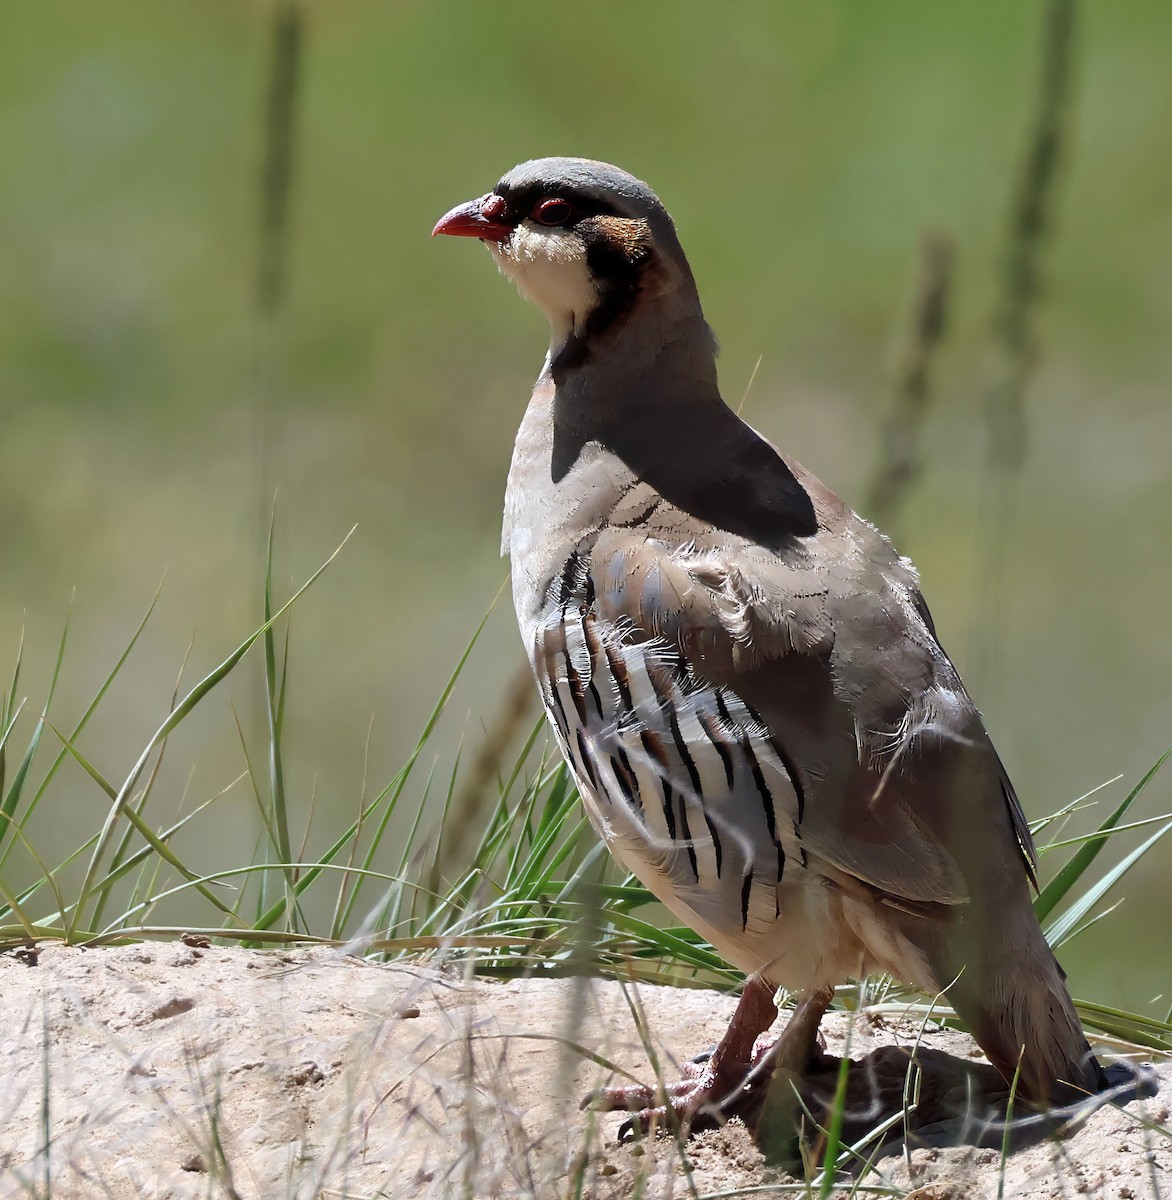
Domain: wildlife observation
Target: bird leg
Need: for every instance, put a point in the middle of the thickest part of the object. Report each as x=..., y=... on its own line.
x=794, y=1049
x=730, y=1082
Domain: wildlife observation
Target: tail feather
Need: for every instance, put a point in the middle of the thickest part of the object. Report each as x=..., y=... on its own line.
x=1019, y=1010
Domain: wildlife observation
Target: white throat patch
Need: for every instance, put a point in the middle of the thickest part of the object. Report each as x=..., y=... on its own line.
x=550, y=270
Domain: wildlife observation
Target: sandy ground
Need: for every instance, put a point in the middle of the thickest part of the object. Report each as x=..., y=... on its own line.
x=166, y=1070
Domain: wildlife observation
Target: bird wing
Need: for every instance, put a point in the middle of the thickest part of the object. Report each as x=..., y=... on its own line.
x=827, y=650
x=679, y=777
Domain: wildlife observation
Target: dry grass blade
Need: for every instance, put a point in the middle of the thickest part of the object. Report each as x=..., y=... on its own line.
x=1030, y=222
x=900, y=456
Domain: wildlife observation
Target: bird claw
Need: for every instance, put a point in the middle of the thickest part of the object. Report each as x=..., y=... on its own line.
x=700, y=1100
x=638, y=1097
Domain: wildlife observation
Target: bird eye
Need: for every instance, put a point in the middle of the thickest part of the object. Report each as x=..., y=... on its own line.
x=553, y=212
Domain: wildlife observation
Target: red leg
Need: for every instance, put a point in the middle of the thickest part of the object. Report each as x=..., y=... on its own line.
x=732, y=1081
x=794, y=1049
x=707, y=1088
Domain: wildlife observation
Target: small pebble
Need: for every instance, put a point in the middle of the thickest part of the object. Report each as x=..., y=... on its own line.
x=305, y=1073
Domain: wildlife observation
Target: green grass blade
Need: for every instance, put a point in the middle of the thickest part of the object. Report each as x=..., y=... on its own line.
x=134, y=821
x=9, y=709
x=1132, y=1027
x=124, y=841
x=1068, y=810
x=336, y=921
x=16, y=711
x=1052, y=894
x=834, y=1128
x=1082, y=838
x=14, y=906
x=274, y=708
x=1062, y=929
x=89, y=712
x=12, y=796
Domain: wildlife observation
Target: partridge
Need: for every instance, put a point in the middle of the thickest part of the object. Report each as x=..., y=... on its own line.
x=742, y=673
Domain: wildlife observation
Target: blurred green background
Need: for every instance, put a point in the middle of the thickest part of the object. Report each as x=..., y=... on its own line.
x=801, y=148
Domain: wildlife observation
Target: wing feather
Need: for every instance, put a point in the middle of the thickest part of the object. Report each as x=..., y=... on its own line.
x=841, y=666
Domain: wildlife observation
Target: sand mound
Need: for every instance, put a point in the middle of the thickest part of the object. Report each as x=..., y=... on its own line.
x=166, y=1070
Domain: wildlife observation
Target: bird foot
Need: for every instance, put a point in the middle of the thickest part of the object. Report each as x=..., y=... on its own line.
x=704, y=1097
x=729, y=1081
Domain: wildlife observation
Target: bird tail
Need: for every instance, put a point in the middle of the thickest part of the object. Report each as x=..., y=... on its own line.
x=1018, y=1008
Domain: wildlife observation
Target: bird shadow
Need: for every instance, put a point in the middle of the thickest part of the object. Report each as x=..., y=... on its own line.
x=894, y=1099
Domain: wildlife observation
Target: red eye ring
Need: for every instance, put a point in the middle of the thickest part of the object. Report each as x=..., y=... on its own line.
x=553, y=211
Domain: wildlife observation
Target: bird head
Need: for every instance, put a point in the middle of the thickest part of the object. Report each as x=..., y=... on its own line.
x=585, y=242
